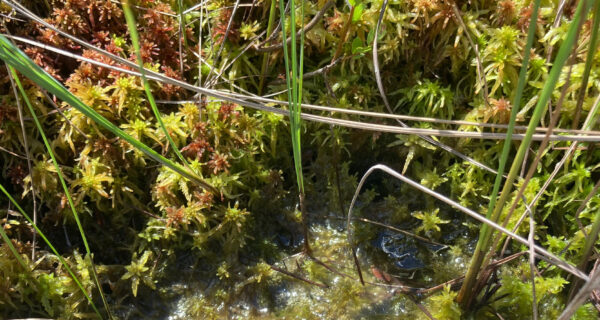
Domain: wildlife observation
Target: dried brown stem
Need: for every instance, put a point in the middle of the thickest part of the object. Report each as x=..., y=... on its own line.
x=297, y=277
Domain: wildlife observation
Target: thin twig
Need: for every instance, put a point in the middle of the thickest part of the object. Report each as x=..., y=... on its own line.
x=534, y=164
x=581, y=297
x=297, y=277
x=181, y=35
x=229, y=24
x=420, y=306
x=540, y=252
x=233, y=97
x=532, y=268
x=150, y=214
x=410, y=234
x=28, y=155
x=58, y=110
x=225, y=80
x=11, y=18
x=13, y=153
x=312, y=74
x=307, y=27
x=200, y=27
x=227, y=66
x=455, y=281
x=243, y=100
x=196, y=6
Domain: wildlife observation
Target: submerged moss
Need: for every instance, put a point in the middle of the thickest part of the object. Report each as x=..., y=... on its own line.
x=165, y=248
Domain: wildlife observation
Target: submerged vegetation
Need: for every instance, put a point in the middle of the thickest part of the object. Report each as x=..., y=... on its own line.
x=174, y=159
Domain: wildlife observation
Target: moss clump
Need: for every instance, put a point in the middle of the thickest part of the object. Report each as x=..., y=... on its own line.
x=163, y=243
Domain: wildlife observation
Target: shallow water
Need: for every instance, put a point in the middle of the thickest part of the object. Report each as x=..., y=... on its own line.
x=194, y=292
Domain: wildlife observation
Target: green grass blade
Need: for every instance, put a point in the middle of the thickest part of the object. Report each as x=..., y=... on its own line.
x=135, y=39
x=589, y=61
x=591, y=238
x=590, y=241
x=294, y=87
x=563, y=54
x=484, y=232
x=295, y=123
x=515, y=109
x=298, y=109
x=63, y=184
x=265, y=59
x=300, y=79
x=60, y=258
x=495, y=208
x=17, y=59
x=286, y=58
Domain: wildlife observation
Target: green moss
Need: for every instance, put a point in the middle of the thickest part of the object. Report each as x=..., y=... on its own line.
x=162, y=243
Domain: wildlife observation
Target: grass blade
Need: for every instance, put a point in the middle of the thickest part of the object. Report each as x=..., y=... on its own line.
x=63, y=184
x=540, y=251
x=265, y=59
x=135, y=39
x=589, y=60
x=495, y=207
x=60, y=258
x=294, y=86
x=465, y=294
x=295, y=90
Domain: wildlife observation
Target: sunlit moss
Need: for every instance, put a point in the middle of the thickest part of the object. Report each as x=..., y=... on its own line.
x=156, y=236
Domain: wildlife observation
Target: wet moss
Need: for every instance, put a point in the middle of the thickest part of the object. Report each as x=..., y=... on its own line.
x=165, y=248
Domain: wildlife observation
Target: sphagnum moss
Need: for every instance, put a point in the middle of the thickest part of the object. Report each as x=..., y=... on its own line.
x=155, y=235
